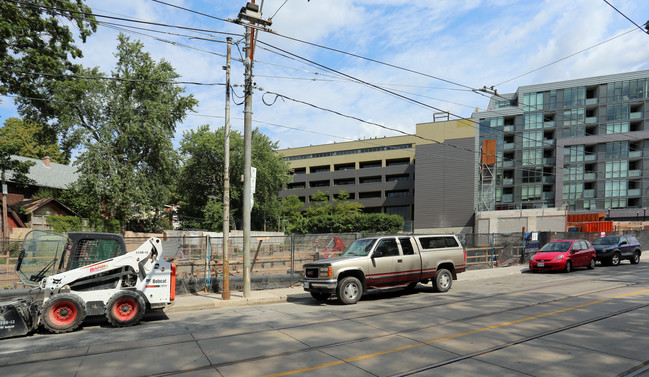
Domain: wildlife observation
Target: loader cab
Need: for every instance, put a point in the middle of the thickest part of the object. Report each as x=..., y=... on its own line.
x=46, y=253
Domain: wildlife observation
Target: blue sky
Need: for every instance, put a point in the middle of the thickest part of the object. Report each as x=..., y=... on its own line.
x=470, y=42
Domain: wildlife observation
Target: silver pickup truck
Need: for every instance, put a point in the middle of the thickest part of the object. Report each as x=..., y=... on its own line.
x=389, y=261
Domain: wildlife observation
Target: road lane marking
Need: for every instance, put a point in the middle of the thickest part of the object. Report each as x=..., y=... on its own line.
x=454, y=336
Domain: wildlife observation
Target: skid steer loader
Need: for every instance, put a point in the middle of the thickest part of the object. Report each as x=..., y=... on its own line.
x=86, y=274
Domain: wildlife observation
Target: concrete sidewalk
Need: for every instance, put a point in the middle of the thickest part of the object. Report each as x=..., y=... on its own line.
x=203, y=301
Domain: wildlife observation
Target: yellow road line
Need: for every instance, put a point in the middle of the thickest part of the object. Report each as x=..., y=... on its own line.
x=454, y=336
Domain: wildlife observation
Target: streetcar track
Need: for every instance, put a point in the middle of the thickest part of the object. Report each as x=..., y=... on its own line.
x=357, y=318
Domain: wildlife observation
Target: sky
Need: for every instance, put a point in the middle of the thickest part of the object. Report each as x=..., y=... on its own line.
x=432, y=52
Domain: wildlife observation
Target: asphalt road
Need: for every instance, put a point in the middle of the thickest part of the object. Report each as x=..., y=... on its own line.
x=586, y=323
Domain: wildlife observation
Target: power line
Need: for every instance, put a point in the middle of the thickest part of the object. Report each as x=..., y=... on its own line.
x=625, y=16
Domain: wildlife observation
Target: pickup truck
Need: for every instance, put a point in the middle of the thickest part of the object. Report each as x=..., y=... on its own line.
x=389, y=261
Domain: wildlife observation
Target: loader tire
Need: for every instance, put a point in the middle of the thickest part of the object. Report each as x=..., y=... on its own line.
x=63, y=313
x=125, y=308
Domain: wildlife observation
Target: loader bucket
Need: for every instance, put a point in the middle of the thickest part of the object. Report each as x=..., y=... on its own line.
x=17, y=318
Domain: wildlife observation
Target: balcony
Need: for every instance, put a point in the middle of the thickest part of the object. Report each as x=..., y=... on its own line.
x=508, y=128
x=590, y=176
x=589, y=193
x=548, y=195
x=548, y=161
x=508, y=198
x=591, y=101
x=635, y=173
x=507, y=164
x=591, y=120
x=636, y=115
x=634, y=192
x=550, y=124
x=635, y=154
x=508, y=146
x=548, y=180
x=508, y=181
x=590, y=157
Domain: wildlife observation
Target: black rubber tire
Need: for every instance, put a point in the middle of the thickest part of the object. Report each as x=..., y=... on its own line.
x=349, y=290
x=63, y=313
x=443, y=280
x=320, y=296
x=568, y=267
x=591, y=266
x=125, y=308
x=635, y=259
x=411, y=286
x=615, y=259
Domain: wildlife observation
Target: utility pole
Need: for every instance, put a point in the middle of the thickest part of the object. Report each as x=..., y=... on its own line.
x=252, y=14
x=226, y=180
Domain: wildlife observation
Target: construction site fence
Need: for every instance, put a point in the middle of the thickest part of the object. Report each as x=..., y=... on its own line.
x=277, y=261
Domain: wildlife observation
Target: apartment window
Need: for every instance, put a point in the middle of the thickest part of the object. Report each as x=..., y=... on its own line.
x=572, y=190
x=320, y=169
x=574, y=116
x=397, y=162
x=532, y=175
x=573, y=173
x=296, y=186
x=618, y=111
x=532, y=157
x=531, y=192
x=617, y=150
x=403, y=211
x=532, y=139
x=532, y=101
x=318, y=183
x=489, y=125
x=344, y=181
x=575, y=131
x=369, y=164
x=617, y=127
x=615, y=203
x=532, y=121
x=573, y=153
x=350, y=166
x=617, y=169
x=299, y=171
x=553, y=99
x=574, y=97
x=615, y=187
x=627, y=90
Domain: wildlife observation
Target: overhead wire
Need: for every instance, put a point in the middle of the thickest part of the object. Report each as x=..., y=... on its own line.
x=625, y=16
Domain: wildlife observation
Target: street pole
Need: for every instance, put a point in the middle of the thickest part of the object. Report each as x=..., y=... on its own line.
x=247, y=162
x=252, y=14
x=226, y=181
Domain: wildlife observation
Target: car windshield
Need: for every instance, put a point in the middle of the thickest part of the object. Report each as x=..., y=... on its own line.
x=360, y=247
x=610, y=240
x=557, y=246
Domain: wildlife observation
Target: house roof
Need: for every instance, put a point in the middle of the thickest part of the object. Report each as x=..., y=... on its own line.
x=55, y=175
x=34, y=204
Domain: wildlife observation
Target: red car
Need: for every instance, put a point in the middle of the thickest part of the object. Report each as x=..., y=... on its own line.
x=564, y=255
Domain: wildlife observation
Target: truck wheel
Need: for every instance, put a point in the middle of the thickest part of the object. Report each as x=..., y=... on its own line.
x=63, y=313
x=443, y=280
x=125, y=308
x=320, y=296
x=349, y=290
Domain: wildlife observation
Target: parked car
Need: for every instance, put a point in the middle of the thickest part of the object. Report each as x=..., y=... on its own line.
x=612, y=249
x=564, y=255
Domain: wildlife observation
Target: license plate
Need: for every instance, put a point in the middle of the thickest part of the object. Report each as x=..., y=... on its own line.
x=306, y=284
x=541, y=264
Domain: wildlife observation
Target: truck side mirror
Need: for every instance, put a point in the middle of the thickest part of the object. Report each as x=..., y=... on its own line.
x=377, y=254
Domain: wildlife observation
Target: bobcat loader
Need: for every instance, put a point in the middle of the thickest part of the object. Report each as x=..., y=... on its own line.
x=86, y=274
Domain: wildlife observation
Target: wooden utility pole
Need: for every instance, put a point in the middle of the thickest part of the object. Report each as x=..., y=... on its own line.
x=226, y=181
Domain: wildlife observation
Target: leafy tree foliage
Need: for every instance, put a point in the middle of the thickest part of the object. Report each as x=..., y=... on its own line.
x=339, y=216
x=11, y=169
x=32, y=139
x=35, y=37
x=200, y=182
x=125, y=127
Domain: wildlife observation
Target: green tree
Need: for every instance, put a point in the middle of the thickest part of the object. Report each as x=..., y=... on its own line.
x=292, y=219
x=201, y=177
x=125, y=127
x=344, y=207
x=32, y=139
x=35, y=37
x=319, y=205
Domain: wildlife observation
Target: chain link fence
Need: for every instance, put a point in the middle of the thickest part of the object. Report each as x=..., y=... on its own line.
x=277, y=260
